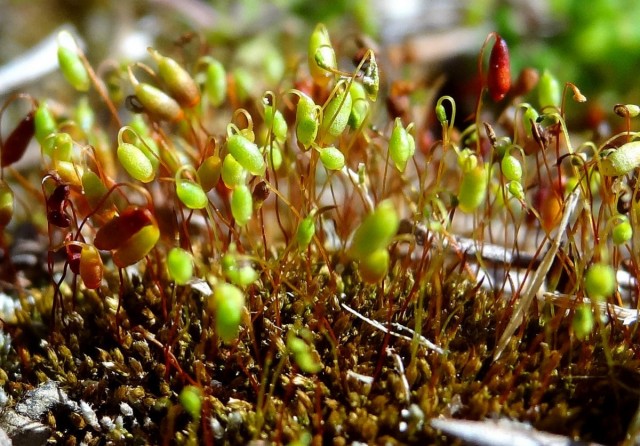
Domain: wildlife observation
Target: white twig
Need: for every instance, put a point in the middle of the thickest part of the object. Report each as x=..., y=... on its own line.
x=539, y=276
x=422, y=340
x=400, y=367
x=627, y=316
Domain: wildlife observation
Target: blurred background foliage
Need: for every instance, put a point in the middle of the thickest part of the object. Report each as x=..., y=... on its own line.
x=594, y=44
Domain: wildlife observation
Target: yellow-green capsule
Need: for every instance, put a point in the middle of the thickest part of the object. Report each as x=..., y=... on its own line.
x=511, y=168
x=177, y=80
x=242, y=276
x=209, y=172
x=360, y=105
x=58, y=146
x=583, y=321
x=275, y=122
x=247, y=154
x=91, y=267
x=600, y=281
x=303, y=354
x=307, y=120
x=375, y=231
x=191, y=194
x=233, y=174
x=137, y=246
x=215, y=84
x=156, y=102
x=191, y=400
x=622, y=231
x=6, y=204
x=70, y=63
x=441, y=114
x=473, y=189
x=274, y=155
x=621, y=161
x=44, y=122
x=335, y=115
x=304, y=233
x=516, y=189
x=241, y=204
x=244, y=84
x=321, y=56
x=373, y=267
x=227, y=303
x=402, y=146
x=84, y=115
x=331, y=158
x=94, y=190
x=135, y=162
x=549, y=91
x=180, y=265
x=529, y=118
x=143, y=140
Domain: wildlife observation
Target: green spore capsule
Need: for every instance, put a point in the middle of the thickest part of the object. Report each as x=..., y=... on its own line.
x=191, y=194
x=180, y=265
x=215, y=85
x=335, y=115
x=582, y=322
x=191, y=400
x=331, y=158
x=135, y=162
x=94, y=190
x=600, y=281
x=302, y=354
x=274, y=156
x=304, y=233
x=242, y=276
x=511, y=168
x=473, y=189
x=360, y=105
x=307, y=123
x=275, y=122
x=622, y=160
x=321, y=56
x=376, y=231
x=227, y=303
x=247, y=154
x=58, y=146
x=241, y=204
x=373, y=267
x=549, y=91
x=6, y=204
x=402, y=146
x=177, y=80
x=44, y=122
x=233, y=174
x=70, y=63
x=441, y=114
x=622, y=232
x=529, y=118
x=156, y=102
x=515, y=188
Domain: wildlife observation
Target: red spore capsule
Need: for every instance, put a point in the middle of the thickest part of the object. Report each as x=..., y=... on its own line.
x=499, y=75
x=16, y=143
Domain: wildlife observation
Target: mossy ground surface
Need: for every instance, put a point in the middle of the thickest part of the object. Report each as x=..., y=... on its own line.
x=255, y=391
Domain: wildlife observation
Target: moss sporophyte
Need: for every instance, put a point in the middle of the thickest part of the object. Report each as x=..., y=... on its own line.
x=331, y=258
